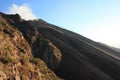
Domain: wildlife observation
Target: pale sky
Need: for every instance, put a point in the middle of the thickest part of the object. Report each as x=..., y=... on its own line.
x=98, y=20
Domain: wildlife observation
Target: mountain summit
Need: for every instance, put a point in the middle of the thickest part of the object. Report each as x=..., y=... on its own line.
x=70, y=55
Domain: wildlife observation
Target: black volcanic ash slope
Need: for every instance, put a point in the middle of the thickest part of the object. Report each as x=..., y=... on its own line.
x=70, y=55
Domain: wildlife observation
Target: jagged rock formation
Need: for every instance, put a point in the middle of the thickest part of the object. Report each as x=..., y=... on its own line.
x=16, y=59
x=70, y=55
x=41, y=47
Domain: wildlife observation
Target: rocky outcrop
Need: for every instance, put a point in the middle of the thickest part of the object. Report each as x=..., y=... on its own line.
x=41, y=48
x=13, y=19
x=16, y=58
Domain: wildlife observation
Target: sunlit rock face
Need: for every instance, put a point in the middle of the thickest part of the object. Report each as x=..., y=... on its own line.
x=16, y=58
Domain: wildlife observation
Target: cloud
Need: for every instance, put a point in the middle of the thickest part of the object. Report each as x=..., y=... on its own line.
x=23, y=10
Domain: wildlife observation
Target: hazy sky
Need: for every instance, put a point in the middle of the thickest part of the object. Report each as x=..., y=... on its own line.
x=98, y=20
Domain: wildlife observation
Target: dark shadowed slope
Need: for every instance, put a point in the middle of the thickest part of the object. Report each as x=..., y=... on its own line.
x=84, y=52
x=70, y=55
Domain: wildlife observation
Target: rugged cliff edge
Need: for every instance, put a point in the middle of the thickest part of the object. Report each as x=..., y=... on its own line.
x=16, y=59
x=70, y=55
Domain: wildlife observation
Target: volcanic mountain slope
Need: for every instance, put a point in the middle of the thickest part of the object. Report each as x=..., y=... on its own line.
x=70, y=55
x=16, y=59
